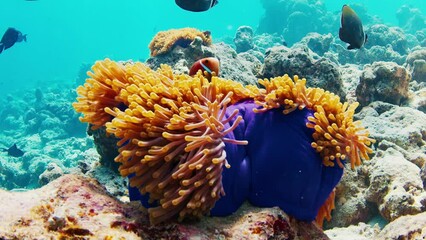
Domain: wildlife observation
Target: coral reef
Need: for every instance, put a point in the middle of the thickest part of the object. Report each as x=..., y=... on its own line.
x=75, y=207
x=397, y=127
x=52, y=172
x=351, y=74
x=406, y=227
x=69, y=207
x=294, y=19
x=385, y=43
x=416, y=54
x=410, y=19
x=243, y=39
x=365, y=55
x=421, y=37
x=419, y=70
x=318, y=43
x=251, y=61
x=404, y=193
x=351, y=204
x=361, y=231
x=236, y=66
x=165, y=41
x=264, y=41
x=416, y=64
x=418, y=96
x=299, y=60
x=383, y=35
x=378, y=189
x=383, y=81
x=45, y=129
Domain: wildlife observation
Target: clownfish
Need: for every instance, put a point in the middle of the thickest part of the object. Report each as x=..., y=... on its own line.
x=351, y=30
x=208, y=66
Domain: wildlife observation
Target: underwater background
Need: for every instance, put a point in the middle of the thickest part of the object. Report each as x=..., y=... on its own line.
x=39, y=77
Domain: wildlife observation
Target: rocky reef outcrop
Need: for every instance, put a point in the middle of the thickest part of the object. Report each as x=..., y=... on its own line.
x=299, y=60
x=379, y=188
x=410, y=19
x=416, y=64
x=244, y=39
x=75, y=207
x=383, y=81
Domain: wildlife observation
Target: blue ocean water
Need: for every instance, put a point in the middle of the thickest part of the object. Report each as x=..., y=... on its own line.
x=64, y=34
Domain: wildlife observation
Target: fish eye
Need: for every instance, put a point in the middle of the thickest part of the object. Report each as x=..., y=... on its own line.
x=206, y=60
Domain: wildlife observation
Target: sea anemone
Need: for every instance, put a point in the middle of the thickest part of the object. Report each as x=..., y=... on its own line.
x=176, y=133
x=173, y=138
x=337, y=137
x=101, y=90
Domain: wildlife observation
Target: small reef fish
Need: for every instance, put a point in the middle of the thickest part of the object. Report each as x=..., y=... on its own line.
x=196, y=5
x=14, y=151
x=10, y=37
x=208, y=65
x=351, y=30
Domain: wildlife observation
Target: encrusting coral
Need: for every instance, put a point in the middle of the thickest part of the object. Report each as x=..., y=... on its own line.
x=165, y=41
x=174, y=130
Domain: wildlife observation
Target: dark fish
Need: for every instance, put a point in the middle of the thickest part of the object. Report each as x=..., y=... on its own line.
x=351, y=30
x=38, y=95
x=14, y=151
x=196, y=5
x=208, y=66
x=10, y=37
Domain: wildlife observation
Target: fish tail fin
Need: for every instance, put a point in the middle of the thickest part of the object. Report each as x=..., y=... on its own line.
x=1, y=47
x=213, y=3
x=366, y=38
x=25, y=37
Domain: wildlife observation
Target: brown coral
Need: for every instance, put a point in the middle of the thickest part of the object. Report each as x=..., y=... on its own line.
x=165, y=41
